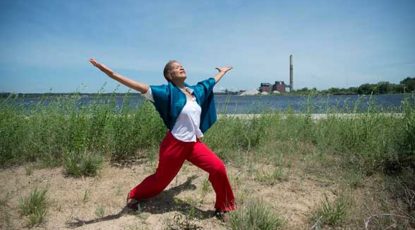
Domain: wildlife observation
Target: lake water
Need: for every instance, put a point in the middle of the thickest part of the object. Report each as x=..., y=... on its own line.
x=232, y=104
x=314, y=104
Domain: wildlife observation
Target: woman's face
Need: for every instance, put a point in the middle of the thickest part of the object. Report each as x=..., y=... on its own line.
x=177, y=72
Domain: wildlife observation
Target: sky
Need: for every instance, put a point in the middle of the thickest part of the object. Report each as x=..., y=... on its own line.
x=45, y=44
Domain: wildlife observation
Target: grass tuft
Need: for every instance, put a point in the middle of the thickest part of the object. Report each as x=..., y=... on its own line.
x=271, y=176
x=87, y=164
x=331, y=213
x=100, y=211
x=34, y=207
x=255, y=214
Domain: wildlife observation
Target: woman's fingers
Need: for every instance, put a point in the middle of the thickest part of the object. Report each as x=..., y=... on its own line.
x=224, y=68
x=93, y=61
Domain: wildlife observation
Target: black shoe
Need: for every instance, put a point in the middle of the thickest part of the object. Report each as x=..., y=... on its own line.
x=222, y=215
x=132, y=203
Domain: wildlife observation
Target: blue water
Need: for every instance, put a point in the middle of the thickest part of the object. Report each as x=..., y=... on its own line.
x=232, y=104
x=313, y=104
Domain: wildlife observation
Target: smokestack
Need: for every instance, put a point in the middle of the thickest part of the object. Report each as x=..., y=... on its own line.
x=291, y=73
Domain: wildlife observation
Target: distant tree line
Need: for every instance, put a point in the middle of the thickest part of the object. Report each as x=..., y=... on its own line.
x=384, y=87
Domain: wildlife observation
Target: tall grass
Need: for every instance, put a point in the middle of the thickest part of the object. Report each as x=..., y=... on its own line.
x=46, y=132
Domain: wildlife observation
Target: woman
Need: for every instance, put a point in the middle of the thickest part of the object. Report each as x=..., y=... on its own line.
x=187, y=111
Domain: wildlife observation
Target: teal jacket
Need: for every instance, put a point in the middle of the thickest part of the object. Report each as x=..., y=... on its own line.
x=170, y=100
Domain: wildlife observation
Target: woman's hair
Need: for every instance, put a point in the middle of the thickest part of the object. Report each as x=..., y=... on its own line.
x=167, y=68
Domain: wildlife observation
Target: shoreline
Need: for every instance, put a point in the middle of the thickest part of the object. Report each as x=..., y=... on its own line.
x=314, y=116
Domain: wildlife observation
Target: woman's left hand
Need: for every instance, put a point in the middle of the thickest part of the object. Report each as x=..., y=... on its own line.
x=224, y=69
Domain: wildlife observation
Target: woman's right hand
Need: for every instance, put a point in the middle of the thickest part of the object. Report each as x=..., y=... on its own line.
x=101, y=67
x=141, y=87
x=94, y=62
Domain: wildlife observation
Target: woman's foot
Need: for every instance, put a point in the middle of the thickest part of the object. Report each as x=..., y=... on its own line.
x=222, y=215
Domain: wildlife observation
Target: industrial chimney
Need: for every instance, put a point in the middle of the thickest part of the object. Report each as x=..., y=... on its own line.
x=291, y=73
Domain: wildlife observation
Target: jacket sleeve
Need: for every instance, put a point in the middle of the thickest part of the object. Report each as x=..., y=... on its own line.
x=161, y=101
x=204, y=89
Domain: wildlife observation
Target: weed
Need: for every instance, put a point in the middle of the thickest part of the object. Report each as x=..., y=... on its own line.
x=100, y=211
x=271, y=176
x=331, y=213
x=86, y=196
x=34, y=207
x=354, y=178
x=28, y=169
x=255, y=214
x=205, y=189
x=87, y=164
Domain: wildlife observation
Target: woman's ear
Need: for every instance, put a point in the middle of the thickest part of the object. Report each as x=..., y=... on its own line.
x=169, y=77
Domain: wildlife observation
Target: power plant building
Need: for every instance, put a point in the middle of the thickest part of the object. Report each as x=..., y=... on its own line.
x=279, y=86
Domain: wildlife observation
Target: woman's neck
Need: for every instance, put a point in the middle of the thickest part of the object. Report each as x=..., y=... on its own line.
x=179, y=84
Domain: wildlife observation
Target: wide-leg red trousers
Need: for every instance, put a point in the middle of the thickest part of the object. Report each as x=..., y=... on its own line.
x=172, y=155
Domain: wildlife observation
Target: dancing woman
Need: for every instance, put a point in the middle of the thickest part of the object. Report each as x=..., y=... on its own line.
x=187, y=111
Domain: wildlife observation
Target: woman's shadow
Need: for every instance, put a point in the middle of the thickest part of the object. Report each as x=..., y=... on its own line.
x=162, y=203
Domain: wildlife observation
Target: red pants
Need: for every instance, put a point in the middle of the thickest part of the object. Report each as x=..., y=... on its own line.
x=172, y=155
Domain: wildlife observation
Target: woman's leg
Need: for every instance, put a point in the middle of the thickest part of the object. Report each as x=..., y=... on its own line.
x=171, y=157
x=204, y=158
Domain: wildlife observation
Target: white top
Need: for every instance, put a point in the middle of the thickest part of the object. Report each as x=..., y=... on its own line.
x=186, y=128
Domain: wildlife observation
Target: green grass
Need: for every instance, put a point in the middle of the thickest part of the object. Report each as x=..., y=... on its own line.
x=86, y=197
x=34, y=207
x=82, y=164
x=205, y=189
x=100, y=211
x=255, y=215
x=271, y=176
x=46, y=134
x=331, y=213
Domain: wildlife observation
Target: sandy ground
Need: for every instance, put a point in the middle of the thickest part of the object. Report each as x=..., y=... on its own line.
x=95, y=202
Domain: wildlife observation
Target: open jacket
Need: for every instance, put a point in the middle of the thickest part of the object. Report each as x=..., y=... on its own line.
x=170, y=100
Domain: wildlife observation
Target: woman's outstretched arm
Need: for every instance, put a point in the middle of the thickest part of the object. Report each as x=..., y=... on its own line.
x=141, y=87
x=222, y=72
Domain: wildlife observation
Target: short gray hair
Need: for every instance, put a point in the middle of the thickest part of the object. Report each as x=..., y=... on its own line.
x=167, y=69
